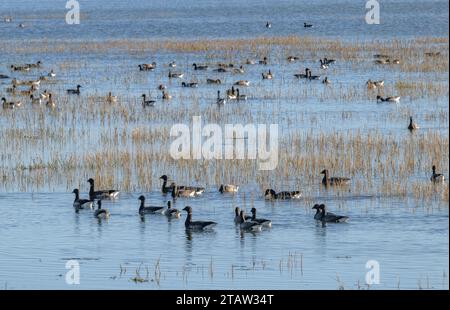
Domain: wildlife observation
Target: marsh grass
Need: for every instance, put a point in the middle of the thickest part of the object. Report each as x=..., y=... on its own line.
x=125, y=146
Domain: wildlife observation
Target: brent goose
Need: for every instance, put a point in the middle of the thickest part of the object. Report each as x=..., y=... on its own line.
x=81, y=203
x=306, y=25
x=147, y=103
x=74, y=91
x=333, y=180
x=101, y=213
x=249, y=226
x=271, y=194
x=263, y=222
x=171, y=212
x=220, y=100
x=148, y=210
x=437, y=177
x=395, y=99
x=199, y=67
x=412, y=125
x=267, y=75
x=197, y=225
x=102, y=194
x=329, y=217
x=228, y=188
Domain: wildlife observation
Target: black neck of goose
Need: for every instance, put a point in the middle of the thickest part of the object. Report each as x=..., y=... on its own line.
x=164, y=189
x=91, y=189
x=434, y=170
x=142, y=205
x=325, y=177
x=236, y=212
x=77, y=196
x=188, y=218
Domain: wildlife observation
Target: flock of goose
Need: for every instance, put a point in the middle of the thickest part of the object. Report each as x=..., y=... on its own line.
x=28, y=88
x=245, y=222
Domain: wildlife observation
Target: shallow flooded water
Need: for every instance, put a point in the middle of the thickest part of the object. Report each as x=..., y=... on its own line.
x=397, y=217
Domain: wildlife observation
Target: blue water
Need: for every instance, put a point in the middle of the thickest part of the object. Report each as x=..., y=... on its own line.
x=39, y=231
x=115, y=19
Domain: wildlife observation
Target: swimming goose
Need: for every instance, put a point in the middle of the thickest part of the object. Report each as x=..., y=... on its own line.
x=292, y=58
x=318, y=214
x=237, y=216
x=51, y=73
x=74, y=91
x=199, y=67
x=147, y=67
x=21, y=25
x=394, y=61
x=148, y=210
x=173, y=75
x=220, y=100
x=329, y=217
x=437, y=177
x=412, y=125
x=197, y=225
x=191, y=84
x=250, y=62
x=240, y=96
x=228, y=188
x=147, y=103
x=50, y=102
x=326, y=81
x=249, y=226
x=323, y=65
x=267, y=76
x=263, y=222
x=186, y=191
x=166, y=95
x=35, y=65
x=20, y=68
x=242, y=83
x=239, y=70
x=7, y=19
x=10, y=105
x=2, y=76
x=395, y=99
x=211, y=81
x=102, y=194
x=263, y=61
x=303, y=76
x=171, y=212
x=110, y=98
x=101, y=213
x=271, y=194
x=306, y=25
x=172, y=64
x=35, y=100
x=81, y=203
x=165, y=189
x=268, y=25
x=333, y=180
x=381, y=61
